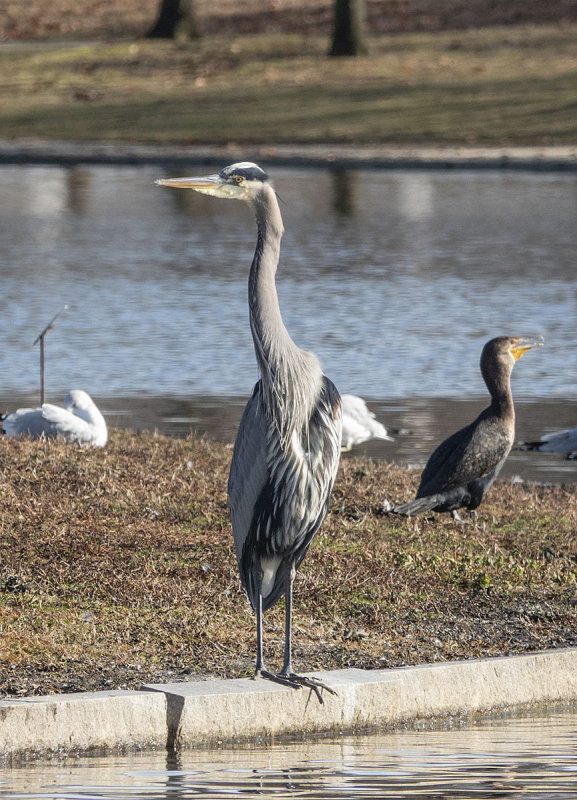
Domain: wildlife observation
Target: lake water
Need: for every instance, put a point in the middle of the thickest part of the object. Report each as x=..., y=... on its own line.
x=395, y=280
x=533, y=756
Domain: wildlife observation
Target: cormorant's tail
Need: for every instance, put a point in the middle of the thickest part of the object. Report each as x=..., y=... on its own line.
x=418, y=506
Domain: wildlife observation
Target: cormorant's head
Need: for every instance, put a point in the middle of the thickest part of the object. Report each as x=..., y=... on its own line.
x=508, y=349
x=242, y=181
x=499, y=356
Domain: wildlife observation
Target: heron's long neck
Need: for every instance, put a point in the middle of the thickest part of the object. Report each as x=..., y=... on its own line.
x=291, y=377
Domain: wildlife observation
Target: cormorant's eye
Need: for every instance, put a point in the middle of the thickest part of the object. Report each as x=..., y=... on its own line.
x=238, y=179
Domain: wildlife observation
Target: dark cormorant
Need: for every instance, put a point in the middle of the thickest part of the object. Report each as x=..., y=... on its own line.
x=461, y=470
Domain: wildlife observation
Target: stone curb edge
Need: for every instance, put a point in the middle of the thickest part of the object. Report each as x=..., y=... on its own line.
x=63, y=153
x=205, y=712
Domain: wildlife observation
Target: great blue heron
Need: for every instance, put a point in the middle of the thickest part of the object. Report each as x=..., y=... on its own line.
x=463, y=468
x=287, y=448
x=359, y=423
x=79, y=421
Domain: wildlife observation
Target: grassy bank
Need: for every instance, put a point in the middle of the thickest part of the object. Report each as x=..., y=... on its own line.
x=501, y=85
x=117, y=567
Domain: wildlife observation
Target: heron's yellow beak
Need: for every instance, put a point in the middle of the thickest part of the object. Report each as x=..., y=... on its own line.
x=190, y=183
x=523, y=343
x=209, y=184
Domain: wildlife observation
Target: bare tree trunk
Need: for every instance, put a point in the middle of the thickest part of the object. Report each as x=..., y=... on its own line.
x=176, y=20
x=349, y=38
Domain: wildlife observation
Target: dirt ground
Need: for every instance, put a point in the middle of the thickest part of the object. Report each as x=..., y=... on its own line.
x=117, y=568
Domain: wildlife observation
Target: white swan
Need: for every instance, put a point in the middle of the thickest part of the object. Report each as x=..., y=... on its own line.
x=79, y=421
x=359, y=424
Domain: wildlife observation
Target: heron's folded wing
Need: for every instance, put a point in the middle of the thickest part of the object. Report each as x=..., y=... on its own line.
x=248, y=470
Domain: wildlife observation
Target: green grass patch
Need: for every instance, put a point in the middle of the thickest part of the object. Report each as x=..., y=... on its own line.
x=489, y=86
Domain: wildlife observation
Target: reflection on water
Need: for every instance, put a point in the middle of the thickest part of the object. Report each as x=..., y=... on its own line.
x=531, y=756
x=395, y=279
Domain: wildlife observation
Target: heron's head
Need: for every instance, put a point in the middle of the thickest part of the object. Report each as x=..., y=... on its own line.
x=242, y=181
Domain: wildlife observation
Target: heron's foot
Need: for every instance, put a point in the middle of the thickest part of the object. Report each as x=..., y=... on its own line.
x=295, y=681
x=284, y=680
x=314, y=684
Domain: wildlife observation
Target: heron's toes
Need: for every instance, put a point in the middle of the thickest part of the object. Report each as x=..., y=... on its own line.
x=314, y=684
x=284, y=680
x=295, y=681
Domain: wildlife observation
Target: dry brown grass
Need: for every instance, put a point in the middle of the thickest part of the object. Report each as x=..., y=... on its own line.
x=117, y=568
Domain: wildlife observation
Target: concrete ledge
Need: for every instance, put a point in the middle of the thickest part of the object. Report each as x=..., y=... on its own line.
x=246, y=709
x=202, y=712
x=342, y=156
x=83, y=721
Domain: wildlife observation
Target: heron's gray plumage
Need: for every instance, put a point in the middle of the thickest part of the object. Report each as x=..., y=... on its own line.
x=279, y=495
x=291, y=428
x=287, y=449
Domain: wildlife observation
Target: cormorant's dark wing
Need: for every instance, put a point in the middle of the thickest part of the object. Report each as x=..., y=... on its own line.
x=470, y=453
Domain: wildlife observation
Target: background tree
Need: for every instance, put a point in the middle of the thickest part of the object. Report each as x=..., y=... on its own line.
x=176, y=20
x=349, y=28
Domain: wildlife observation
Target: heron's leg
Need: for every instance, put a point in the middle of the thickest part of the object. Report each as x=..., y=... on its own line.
x=260, y=671
x=287, y=663
x=287, y=671
x=259, y=659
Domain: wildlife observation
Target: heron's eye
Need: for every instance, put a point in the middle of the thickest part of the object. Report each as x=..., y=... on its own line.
x=238, y=179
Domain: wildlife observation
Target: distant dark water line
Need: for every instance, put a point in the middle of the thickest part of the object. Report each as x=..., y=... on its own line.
x=417, y=425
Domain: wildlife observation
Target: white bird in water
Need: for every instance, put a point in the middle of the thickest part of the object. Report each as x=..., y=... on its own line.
x=360, y=424
x=563, y=442
x=79, y=421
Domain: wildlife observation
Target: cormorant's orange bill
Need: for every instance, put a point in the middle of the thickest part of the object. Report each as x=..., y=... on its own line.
x=523, y=343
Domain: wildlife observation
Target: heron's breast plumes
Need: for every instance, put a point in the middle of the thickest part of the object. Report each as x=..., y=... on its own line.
x=269, y=567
